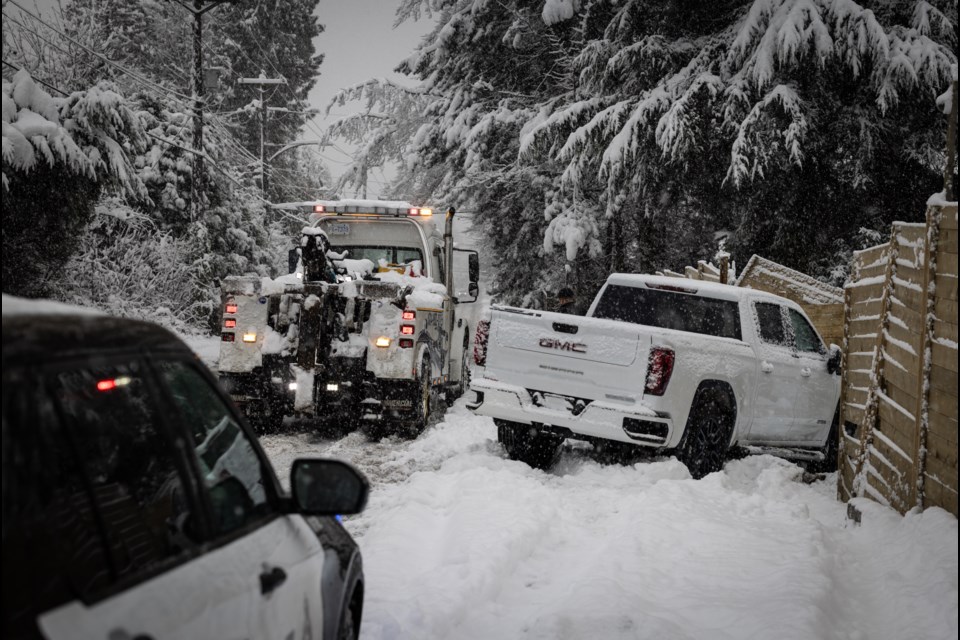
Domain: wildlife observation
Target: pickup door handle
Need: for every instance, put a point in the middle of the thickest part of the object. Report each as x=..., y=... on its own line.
x=560, y=327
x=270, y=579
x=766, y=367
x=805, y=372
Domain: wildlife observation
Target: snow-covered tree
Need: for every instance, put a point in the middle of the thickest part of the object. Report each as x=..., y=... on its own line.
x=59, y=154
x=593, y=135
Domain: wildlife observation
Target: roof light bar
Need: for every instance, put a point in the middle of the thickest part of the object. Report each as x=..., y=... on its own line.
x=338, y=209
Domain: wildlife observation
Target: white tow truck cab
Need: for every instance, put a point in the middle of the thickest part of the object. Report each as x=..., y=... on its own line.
x=373, y=301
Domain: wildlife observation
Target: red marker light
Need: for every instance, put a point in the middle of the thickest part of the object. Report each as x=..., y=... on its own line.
x=112, y=383
x=319, y=208
x=230, y=323
x=407, y=329
x=231, y=308
x=406, y=343
x=409, y=315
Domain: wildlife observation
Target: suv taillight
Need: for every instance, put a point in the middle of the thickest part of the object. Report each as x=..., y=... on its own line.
x=480, y=343
x=659, y=370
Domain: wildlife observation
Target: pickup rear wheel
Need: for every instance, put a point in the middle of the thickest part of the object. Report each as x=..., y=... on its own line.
x=524, y=443
x=706, y=438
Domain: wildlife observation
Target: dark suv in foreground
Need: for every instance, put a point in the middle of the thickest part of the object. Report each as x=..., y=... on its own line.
x=137, y=503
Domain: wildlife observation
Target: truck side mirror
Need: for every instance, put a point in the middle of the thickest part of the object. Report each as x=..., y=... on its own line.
x=293, y=257
x=473, y=262
x=473, y=290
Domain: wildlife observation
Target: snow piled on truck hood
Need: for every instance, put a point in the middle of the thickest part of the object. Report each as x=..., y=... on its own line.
x=426, y=293
x=460, y=542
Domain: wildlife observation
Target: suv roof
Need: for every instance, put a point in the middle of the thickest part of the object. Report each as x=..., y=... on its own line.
x=30, y=337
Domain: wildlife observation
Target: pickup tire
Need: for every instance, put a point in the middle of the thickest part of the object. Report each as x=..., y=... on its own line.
x=524, y=443
x=706, y=438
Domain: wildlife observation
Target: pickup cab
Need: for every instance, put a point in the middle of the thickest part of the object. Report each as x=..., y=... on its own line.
x=682, y=366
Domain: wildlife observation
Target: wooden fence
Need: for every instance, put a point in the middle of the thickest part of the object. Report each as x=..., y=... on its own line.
x=898, y=444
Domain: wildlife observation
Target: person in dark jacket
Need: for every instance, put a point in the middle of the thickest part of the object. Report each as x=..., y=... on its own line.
x=567, y=301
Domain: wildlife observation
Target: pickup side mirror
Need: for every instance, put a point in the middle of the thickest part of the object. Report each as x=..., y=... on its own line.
x=834, y=360
x=327, y=487
x=473, y=290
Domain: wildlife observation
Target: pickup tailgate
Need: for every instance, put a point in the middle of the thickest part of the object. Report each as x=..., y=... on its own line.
x=567, y=355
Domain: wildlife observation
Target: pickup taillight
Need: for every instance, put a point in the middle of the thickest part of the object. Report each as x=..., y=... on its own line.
x=480, y=343
x=659, y=370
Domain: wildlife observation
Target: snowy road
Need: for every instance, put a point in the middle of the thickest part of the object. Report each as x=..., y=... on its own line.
x=459, y=542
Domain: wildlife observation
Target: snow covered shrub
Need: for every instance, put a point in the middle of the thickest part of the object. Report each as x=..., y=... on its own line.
x=127, y=267
x=58, y=155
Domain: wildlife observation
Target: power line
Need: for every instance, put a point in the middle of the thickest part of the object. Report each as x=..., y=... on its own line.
x=40, y=80
x=98, y=55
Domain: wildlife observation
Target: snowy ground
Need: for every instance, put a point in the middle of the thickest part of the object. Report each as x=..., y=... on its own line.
x=459, y=542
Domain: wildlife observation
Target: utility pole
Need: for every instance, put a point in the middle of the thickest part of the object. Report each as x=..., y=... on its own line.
x=263, y=81
x=197, y=182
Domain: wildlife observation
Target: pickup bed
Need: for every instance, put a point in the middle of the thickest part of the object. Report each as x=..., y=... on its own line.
x=677, y=365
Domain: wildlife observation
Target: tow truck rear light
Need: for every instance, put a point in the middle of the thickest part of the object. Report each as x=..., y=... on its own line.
x=420, y=211
x=480, y=343
x=231, y=307
x=659, y=370
x=230, y=323
x=409, y=315
x=250, y=337
x=406, y=343
x=319, y=208
x=382, y=341
x=407, y=329
x=228, y=337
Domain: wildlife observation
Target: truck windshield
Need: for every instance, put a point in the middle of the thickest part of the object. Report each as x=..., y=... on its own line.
x=392, y=255
x=670, y=310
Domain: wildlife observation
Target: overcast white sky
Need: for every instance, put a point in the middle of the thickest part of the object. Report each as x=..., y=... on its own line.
x=359, y=43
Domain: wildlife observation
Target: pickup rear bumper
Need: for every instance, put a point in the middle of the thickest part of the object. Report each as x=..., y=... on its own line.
x=636, y=424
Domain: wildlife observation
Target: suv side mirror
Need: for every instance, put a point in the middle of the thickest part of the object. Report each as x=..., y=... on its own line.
x=327, y=487
x=833, y=362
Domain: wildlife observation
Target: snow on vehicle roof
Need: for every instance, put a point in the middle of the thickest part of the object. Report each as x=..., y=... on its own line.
x=710, y=289
x=700, y=287
x=16, y=306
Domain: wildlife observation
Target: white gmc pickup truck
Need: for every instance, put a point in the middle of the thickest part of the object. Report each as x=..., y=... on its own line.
x=681, y=366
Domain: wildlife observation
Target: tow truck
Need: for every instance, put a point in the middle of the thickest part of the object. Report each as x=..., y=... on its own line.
x=366, y=329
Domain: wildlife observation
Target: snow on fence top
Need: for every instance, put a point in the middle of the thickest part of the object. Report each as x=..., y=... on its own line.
x=797, y=286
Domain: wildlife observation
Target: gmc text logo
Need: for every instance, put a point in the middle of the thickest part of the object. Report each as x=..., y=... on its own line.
x=553, y=343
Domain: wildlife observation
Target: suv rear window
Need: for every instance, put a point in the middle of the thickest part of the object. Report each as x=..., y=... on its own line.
x=670, y=310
